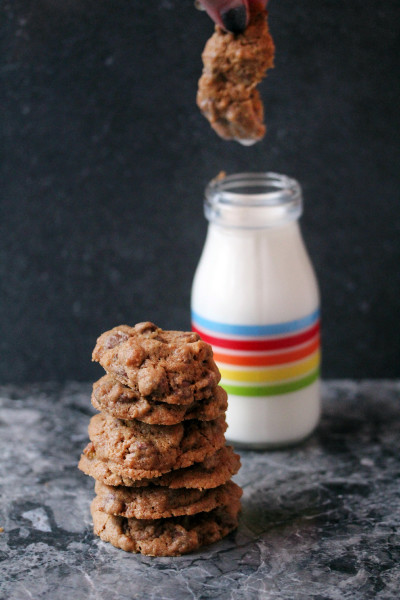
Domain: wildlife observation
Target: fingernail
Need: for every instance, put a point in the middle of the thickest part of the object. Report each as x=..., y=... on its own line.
x=235, y=19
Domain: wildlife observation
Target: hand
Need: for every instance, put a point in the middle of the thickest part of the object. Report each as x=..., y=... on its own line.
x=231, y=15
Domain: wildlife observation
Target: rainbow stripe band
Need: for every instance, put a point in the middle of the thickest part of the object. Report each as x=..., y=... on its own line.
x=287, y=371
x=273, y=390
x=264, y=360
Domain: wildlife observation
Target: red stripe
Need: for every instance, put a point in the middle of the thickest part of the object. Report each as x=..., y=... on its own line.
x=267, y=359
x=259, y=345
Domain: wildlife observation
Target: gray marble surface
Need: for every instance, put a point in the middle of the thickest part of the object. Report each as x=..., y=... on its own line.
x=319, y=521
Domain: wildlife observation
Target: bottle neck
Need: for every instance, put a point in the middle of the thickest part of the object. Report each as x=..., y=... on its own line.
x=253, y=201
x=265, y=240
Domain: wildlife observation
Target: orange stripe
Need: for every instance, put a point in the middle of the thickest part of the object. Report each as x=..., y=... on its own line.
x=264, y=360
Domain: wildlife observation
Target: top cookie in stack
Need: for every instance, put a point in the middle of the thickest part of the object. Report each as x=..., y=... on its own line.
x=157, y=448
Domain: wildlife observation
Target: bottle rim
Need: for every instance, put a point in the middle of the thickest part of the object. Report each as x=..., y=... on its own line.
x=254, y=200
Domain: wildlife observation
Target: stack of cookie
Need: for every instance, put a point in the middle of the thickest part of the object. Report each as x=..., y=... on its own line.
x=157, y=449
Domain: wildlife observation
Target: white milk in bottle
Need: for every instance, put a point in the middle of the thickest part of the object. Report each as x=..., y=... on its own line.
x=255, y=300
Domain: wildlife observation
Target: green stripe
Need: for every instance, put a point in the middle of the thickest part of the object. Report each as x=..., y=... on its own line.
x=272, y=390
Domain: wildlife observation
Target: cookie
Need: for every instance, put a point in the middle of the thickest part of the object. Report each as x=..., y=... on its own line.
x=155, y=502
x=233, y=65
x=166, y=537
x=111, y=396
x=234, y=112
x=174, y=366
x=214, y=471
x=150, y=450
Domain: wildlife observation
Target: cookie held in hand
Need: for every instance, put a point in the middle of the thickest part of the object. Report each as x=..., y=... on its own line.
x=234, y=64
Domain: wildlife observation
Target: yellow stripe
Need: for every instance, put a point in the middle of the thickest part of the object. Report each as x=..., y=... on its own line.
x=285, y=387
x=275, y=374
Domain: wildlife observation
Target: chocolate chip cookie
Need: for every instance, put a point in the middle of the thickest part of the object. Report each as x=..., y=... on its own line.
x=169, y=366
x=156, y=502
x=155, y=449
x=166, y=537
x=213, y=471
x=233, y=65
x=120, y=401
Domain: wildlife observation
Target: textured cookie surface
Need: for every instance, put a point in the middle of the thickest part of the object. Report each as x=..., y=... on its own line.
x=173, y=366
x=152, y=448
x=155, y=502
x=166, y=537
x=233, y=65
x=123, y=403
x=213, y=471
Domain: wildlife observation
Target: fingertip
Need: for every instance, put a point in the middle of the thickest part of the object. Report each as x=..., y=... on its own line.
x=235, y=19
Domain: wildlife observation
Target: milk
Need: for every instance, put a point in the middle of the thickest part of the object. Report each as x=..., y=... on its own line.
x=255, y=299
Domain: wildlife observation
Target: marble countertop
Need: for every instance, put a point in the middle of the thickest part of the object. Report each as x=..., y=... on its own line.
x=319, y=521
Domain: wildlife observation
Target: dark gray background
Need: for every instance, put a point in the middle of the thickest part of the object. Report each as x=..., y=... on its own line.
x=104, y=158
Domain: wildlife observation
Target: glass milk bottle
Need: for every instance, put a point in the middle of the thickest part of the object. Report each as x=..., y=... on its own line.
x=255, y=299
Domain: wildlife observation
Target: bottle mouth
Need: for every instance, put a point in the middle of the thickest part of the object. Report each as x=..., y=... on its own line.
x=253, y=200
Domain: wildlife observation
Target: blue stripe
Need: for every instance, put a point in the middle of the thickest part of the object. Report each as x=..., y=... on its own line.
x=256, y=330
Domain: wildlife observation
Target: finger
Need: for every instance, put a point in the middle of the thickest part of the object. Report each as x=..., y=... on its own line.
x=231, y=15
x=262, y=3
